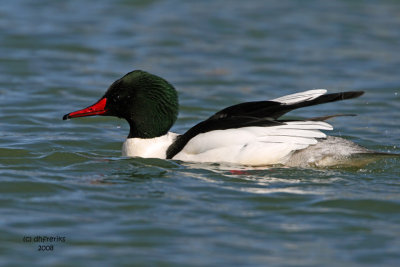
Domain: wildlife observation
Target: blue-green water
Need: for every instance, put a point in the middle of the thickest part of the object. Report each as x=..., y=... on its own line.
x=67, y=180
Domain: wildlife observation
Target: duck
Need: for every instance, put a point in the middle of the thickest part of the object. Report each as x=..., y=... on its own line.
x=246, y=134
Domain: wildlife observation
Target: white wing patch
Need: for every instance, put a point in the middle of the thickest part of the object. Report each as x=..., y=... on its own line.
x=255, y=146
x=300, y=97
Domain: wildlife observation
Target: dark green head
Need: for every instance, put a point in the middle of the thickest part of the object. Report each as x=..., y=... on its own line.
x=148, y=102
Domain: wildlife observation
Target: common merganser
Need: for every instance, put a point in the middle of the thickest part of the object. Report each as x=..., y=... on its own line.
x=249, y=133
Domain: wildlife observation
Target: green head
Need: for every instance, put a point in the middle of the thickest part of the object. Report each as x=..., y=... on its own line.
x=148, y=102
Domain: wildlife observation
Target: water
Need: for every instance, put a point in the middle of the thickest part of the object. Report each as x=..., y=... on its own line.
x=67, y=180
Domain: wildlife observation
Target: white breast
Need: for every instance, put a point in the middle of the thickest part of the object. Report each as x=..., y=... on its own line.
x=148, y=148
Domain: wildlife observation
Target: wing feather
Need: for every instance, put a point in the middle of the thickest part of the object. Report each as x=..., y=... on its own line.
x=300, y=97
x=253, y=145
x=262, y=115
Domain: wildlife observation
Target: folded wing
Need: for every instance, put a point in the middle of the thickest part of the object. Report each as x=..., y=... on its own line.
x=253, y=129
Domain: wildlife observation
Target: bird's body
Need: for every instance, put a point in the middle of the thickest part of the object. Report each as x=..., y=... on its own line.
x=247, y=146
x=250, y=133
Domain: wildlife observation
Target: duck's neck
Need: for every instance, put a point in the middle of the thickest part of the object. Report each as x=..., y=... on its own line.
x=143, y=131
